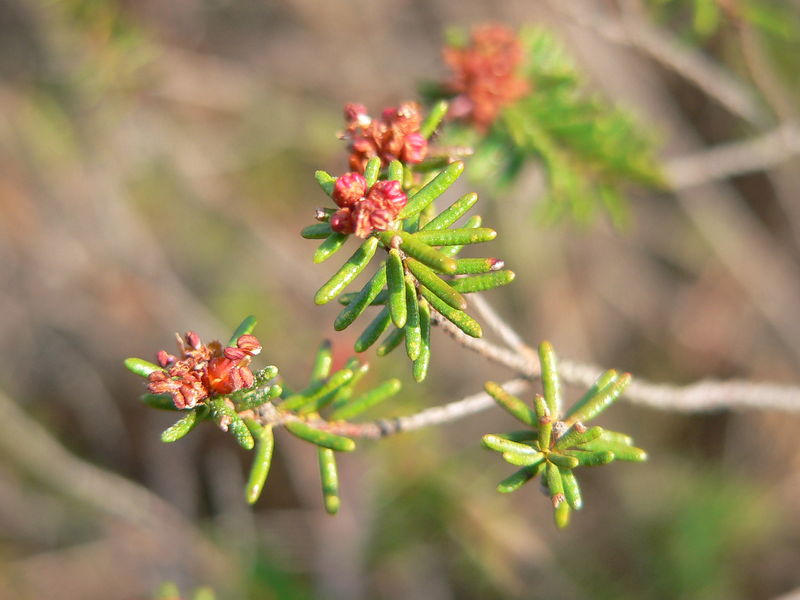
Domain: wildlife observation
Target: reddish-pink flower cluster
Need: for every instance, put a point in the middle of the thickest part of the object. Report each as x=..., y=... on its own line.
x=363, y=211
x=394, y=136
x=484, y=75
x=203, y=370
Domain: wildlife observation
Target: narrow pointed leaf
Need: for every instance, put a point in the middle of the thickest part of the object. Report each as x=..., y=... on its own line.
x=519, y=478
x=523, y=460
x=621, y=451
x=432, y=190
x=435, y=116
x=572, y=492
x=600, y=401
x=615, y=436
x=229, y=420
x=365, y=401
x=326, y=181
x=516, y=407
x=472, y=222
x=322, y=362
x=330, y=480
x=141, y=367
x=265, y=443
x=373, y=331
x=521, y=435
x=422, y=252
x=544, y=420
x=550, y=380
x=320, y=394
x=264, y=375
x=391, y=341
x=500, y=444
x=362, y=300
x=329, y=247
x=379, y=300
x=481, y=283
x=321, y=438
x=563, y=461
x=471, y=266
x=423, y=361
x=254, y=397
x=459, y=318
x=575, y=437
x=396, y=283
x=372, y=170
x=181, y=427
x=246, y=327
x=435, y=284
x=452, y=213
x=344, y=393
x=347, y=273
x=413, y=333
x=591, y=459
x=455, y=237
x=317, y=231
x=554, y=482
x=159, y=401
x=561, y=515
x=395, y=171
x=602, y=382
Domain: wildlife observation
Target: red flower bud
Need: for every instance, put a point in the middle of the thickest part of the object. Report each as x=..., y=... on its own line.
x=234, y=354
x=249, y=343
x=349, y=189
x=193, y=340
x=415, y=147
x=164, y=358
x=388, y=195
x=342, y=221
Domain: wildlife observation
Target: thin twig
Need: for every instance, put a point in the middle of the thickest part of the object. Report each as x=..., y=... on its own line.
x=720, y=162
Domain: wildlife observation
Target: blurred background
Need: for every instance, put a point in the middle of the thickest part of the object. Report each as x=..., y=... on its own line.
x=156, y=164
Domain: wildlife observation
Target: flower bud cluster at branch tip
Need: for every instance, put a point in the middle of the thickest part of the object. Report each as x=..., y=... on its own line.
x=203, y=370
x=363, y=211
x=485, y=75
x=394, y=136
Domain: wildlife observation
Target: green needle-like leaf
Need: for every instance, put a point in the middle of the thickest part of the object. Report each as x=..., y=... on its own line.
x=320, y=396
x=544, y=420
x=519, y=478
x=481, y=283
x=523, y=460
x=575, y=437
x=344, y=393
x=435, y=284
x=347, y=273
x=562, y=460
x=621, y=451
x=470, y=266
x=452, y=213
x=141, y=367
x=362, y=300
x=159, y=401
x=516, y=407
x=521, y=435
x=372, y=170
x=330, y=480
x=472, y=223
x=459, y=318
x=432, y=190
x=365, y=401
x=602, y=382
x=182, y=426
x=322, y=362
x=246, y=327
x=374, y=330
x=615, y=436
x=423, y=361
x=254, y=397
x=572, y=492
x=591, y=459
x=455, y=237
x=321, y=438
x=561, y=515
x=501, y=444
x=550, y=380
x=379, y=300
x=422, y=252
x=396, y=283
x=326, y=181
x=329, y=247
x=395, y=171
x=435, y=116
x=413, y=333
x=265, y=443
x=600, y=401
x=392, y=340
x=554, y=482
x=317, y=231
x=229, y=420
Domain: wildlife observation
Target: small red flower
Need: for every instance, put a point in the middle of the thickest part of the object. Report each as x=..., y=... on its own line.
x=395, y=135
x=375, y=210
x=349, y=189
x=203, y=370
x=485, y=75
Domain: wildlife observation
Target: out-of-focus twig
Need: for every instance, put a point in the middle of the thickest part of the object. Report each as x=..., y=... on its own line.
x=701, y=71
x=720, y=162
